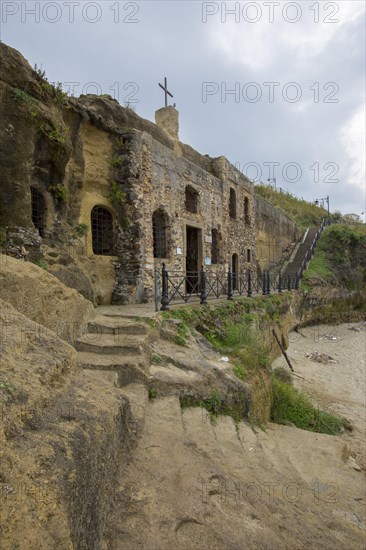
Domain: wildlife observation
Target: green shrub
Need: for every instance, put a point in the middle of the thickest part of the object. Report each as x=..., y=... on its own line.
x=56, y=136
x=117, y=161
x=21, y=96
x=81, y=229
x=180, y=337
x=217, y=406
x=60, y=193
x=239, y=371
x=55, y=91
x=339, y=259
x=116, y=195
x=29, y=102
x=291, y=406
x=153, y=393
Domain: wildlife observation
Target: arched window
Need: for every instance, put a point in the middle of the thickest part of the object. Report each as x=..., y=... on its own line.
x=160, y=227
x=38, y=210
x=191, y=199
x=232, y=204
x=102, y=231
x=214, y=246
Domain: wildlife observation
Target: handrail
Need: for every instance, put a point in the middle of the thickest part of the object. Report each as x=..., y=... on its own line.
x=182, y=287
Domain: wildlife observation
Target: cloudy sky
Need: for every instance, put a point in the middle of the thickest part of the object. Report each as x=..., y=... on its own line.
x=276, y=87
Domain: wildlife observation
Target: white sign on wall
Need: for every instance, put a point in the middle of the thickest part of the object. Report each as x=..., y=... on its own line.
x=207, y=261
x=179, y=251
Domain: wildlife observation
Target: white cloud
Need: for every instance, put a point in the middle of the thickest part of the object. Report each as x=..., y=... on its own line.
x=260, y=45
x=353, y=141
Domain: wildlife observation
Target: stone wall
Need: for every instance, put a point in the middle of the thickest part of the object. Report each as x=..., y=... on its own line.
x=277, y=234
x=163, y=187
x=87, y=152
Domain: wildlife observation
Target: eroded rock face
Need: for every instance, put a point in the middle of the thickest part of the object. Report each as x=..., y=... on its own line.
x=64, y=434
x=43, y=298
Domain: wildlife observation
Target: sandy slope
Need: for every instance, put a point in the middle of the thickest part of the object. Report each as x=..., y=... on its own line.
x=339, y=387
x=194, y=485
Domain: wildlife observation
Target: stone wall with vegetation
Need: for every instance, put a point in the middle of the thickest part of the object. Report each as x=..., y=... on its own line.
x=79, y=153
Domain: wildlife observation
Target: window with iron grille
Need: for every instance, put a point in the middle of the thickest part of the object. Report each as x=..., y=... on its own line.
x=246, y=211
x=215, y=246
x=102, y=231
x=38, y=210
x=159, y=223
x=191, y=199
x=232, y=204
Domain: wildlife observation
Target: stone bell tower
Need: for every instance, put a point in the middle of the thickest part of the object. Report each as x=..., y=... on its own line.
x=167, y=118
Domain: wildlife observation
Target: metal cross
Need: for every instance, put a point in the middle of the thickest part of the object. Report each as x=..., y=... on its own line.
x=165, y=88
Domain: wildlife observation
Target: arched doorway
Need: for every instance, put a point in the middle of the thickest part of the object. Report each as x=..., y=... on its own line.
x=102, y=231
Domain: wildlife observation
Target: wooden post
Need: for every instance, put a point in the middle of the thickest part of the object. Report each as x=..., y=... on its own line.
x=283, y=351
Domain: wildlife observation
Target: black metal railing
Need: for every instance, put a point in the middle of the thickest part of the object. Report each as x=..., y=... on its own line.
x=310, y=251
x=177, y=287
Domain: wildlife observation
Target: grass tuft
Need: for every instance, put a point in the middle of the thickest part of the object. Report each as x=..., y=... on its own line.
x=291, y=406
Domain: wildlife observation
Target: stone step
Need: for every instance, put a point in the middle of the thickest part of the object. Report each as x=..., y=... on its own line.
x=90, y=360
x=293, y=267
x=138, y=396
x=114, y=344
x=102, y=324
x=125, y=369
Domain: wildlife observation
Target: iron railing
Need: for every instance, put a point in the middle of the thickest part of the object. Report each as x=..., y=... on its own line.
x=178, y=287
x=310, y=252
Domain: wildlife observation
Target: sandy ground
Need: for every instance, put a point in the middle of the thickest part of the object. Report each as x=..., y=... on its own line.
x=340, y=386
x=196, y=485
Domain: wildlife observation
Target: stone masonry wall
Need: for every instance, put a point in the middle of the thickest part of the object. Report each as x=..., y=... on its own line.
x=163, y=187
x=276, y=234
